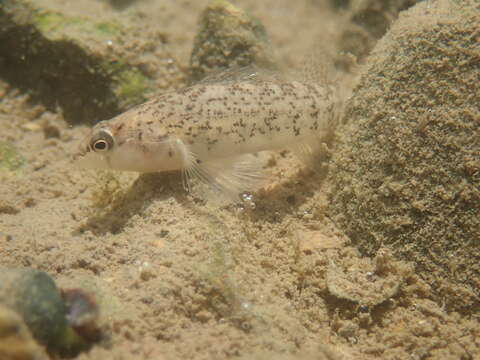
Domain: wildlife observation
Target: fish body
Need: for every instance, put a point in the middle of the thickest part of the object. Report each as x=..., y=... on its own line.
x=206, y=129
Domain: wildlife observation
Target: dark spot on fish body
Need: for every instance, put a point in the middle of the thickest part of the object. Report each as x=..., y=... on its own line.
x=240, y=138
x=170, y=153
x=311, y=89
x=186, y=118
x=144, y=148
x=286, y=86
x=330, y=108
x=211, y=142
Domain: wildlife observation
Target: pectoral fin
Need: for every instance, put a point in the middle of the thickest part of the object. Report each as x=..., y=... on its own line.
x=224, y=179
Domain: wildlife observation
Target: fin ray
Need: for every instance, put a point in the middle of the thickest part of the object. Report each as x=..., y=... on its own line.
x=225, y=179
x=243, y=73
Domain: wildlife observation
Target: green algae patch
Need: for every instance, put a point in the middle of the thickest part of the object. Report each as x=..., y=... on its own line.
x=78, y=64
x=53, y=21
x=10, y=158
x=131, y=86
x=56, y=24
x=222, y=293
x=109, y=28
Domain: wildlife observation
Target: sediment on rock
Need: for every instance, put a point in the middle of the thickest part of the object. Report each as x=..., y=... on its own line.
x=408, y=173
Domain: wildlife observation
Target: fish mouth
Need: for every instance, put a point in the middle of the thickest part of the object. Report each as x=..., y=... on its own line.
x=81, y=153
x=83, y=147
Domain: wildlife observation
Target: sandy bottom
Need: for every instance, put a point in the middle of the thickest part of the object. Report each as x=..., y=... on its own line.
x=177, y=278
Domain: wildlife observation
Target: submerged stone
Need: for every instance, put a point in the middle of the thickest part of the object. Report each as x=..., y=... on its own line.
x=34, y=295
x=228, y=37
x=65, y=322
x=89, y=69
x=407, y=175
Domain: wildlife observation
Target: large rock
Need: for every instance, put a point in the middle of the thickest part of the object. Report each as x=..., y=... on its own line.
x=89, y=66
x=407, y=174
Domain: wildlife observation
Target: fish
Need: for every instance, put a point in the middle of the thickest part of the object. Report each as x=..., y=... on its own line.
x=210, y=130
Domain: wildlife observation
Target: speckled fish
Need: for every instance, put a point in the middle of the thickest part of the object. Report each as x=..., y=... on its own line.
x=207, y=130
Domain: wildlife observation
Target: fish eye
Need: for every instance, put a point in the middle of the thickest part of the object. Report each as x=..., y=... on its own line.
x=100, y=145
x=102, y=141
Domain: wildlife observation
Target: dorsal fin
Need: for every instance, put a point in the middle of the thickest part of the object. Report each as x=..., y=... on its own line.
x=245, y=73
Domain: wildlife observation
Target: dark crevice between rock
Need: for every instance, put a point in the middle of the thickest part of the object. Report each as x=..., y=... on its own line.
x=57, y=74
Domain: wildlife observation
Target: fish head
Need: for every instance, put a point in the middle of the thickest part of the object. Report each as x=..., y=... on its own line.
x=97, y=148
x=116, y=145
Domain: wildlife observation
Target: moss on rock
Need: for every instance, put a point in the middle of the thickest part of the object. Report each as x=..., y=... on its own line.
x=83, y=66
x=10, y=158
x=131, y=86
x=408, y=172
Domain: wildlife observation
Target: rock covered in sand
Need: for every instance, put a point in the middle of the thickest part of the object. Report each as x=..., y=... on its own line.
x=228, y=37
x=408, y=172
